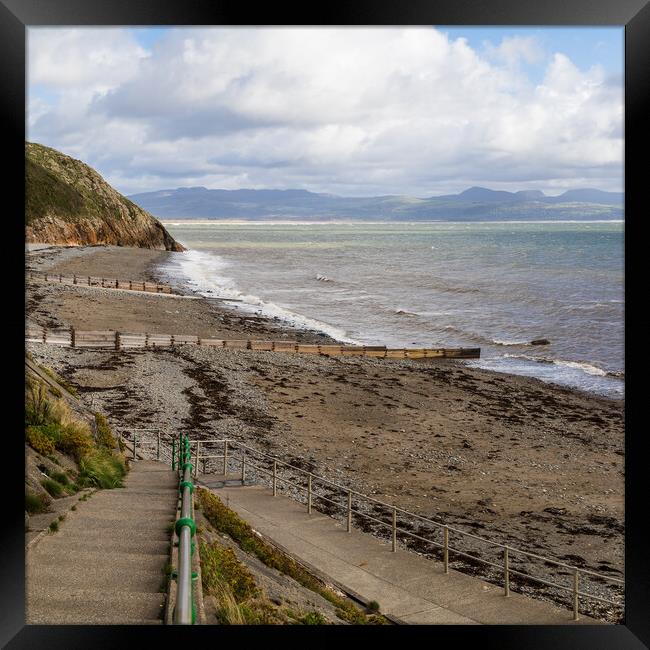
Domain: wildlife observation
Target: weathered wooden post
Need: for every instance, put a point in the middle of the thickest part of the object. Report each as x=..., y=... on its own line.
x=445, y=550
x=275, y=478
x=146, y=339
x=394, y=548
x=117, y=340
x=44, y=335
x=309, y=494
x=72, y=337
x=74, y=278
x=243, y=466
x=575, y=595
x=506, y=572
x=349, y=526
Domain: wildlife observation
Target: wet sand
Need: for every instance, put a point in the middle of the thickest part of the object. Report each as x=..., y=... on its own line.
x=511, y=458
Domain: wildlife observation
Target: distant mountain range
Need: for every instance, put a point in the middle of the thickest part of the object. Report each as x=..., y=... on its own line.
x=474, y=204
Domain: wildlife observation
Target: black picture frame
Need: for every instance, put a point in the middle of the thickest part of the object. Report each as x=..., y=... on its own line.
x=17, y=15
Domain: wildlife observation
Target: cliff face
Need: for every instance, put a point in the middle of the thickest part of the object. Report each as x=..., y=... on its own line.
x=68, y=202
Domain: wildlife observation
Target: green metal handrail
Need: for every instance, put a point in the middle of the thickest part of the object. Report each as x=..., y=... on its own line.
x=185, y=610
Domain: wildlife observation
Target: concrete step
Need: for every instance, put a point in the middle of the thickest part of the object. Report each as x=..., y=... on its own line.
x=111, y=503
x=80, y=543
x=120, y=518
x=57, y=579
x=87, y=607
x=120, y=533
x=97, y=560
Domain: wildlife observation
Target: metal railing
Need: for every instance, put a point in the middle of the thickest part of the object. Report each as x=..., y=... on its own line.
x=185, y=611
x=218, y=456
x=442, y=536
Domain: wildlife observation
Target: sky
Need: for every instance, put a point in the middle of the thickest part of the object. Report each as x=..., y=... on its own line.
x=417, y=111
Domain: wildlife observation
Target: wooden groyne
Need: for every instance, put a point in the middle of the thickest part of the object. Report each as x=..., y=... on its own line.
x=116, y=340
x=104, y=283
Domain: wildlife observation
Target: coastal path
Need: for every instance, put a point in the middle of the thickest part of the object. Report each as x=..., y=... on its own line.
x=409, y=588
x=106, y=564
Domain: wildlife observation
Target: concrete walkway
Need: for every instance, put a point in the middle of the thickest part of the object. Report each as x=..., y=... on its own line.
x=105, y=565
x=406, y=586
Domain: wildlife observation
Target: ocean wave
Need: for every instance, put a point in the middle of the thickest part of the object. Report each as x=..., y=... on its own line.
x=203, y=272
x=588, y=368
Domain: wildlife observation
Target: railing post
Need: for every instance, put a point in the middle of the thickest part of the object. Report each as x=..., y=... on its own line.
x=275, y=478
x=506, y=572
x=46, y=277
x=445, y=549
x=173, y=453
x=349, y=526
x=130, y=284
x=102, y=282
x=135, y=442
x=309, y=494
x=117, y=340
x=158, y=447
x=394, y=529
x=196, y=458
x=243, y=466
x=575, y=594
x=72, y=337
x=44, y=335
x=225, y=457
x=74, y=278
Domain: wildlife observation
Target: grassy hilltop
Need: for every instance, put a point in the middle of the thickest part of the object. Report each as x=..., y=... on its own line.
x=68, y=202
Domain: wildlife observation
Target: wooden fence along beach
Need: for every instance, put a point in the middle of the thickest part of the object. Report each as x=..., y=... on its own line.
x=115, y=340
x=104, y=283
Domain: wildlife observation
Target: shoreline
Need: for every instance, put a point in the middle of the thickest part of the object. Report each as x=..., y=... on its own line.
x=521, y=461
x=152, y=270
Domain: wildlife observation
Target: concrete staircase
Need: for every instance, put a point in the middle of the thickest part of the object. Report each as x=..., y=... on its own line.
x=106, y=563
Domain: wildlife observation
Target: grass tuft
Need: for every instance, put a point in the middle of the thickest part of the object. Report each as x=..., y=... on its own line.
x=36, y=503
x=102, y=470
x=54, y=488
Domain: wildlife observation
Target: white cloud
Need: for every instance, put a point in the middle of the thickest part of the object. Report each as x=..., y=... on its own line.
x=355, y=111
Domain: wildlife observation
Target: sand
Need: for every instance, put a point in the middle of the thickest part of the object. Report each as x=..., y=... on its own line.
x=514, y=459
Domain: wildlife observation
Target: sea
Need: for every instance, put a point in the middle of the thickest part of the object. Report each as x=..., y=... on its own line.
x=493, y=285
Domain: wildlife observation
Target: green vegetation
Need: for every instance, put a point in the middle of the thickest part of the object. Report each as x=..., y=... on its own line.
x=38, y=441
x=51, y=426
x=53, y=488
x=36, y=503
x=54, y=526
x=226, y=521
x=105, y=437
x=47, y=194
x=101, y=469
x=59, y=380
x=313, y=618
x=220, y=565
x=236, y=597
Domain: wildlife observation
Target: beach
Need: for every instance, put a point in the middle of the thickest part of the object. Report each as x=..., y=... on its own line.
x=522, y=462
